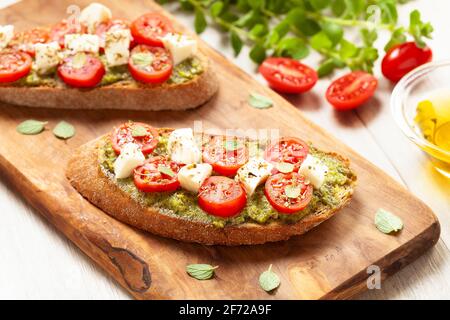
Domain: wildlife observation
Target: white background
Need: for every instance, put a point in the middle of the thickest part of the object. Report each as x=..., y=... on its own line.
x=37, y=262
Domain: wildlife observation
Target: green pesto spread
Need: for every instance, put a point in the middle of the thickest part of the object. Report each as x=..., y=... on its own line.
x=182, y=72
x=258, y=210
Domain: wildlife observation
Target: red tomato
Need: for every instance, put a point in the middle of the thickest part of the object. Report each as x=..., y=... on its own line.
x=157, y=174
x=352, y=90
x=149, y=28
x=25, y=41
x=105, y=27
x=86, y=75
x=288, y=149
x=404, y=58
x=225, y=154
x=59, y=31
x=150, y=64
x=288, y=75
x=222, y=197
x=14, y=65
x=286, y=200
x=124, y=134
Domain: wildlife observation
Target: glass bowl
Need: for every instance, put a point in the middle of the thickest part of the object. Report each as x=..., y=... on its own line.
x=429, y=80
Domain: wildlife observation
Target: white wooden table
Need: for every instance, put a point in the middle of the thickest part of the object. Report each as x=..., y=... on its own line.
x=37, y=262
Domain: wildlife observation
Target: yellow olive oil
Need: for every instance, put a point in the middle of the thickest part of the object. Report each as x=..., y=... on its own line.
x=433, y=120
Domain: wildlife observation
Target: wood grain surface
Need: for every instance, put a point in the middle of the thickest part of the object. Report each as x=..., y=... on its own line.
x=331, y=261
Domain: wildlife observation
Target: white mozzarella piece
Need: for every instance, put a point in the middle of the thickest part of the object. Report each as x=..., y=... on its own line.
x=180, y=46
x=82, y=43
x=253, y=173
x=182, y=147
x=117, y=44
x=93, y=15
x=314, y=170
x=6, y=35
x=192, y=176
x=130, y=157
x=47, y=56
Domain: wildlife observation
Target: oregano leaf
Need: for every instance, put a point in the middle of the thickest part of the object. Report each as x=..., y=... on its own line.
x=201, y=271
x=64, y=130
x=260, y=102
x=387, y=222
x=269, y=280
x=31, y=127
x=200, y=21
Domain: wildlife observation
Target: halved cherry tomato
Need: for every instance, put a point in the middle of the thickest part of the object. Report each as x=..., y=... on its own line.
x=124, y=134
x=157, y=174
x=25, y=41
x=60, y=30
x=150, y=64
x=149, y=28
x=113, y=25
x=222, y=197
x=352, y=90
x=226, y=154
x=86, y=75
x=404, y=58
x=288, y=75
x=287, y=149
x=285, y=200
x=14, y=65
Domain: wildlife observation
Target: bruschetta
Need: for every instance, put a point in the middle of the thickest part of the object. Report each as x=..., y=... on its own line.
x=213, y=190
x=100, y=62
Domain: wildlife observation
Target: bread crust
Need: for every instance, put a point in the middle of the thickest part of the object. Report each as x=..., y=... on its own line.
x=86, y=176
x=120, y=95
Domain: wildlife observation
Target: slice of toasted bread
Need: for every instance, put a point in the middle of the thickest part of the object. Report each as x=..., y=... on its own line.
x=86, y=176
x=120, y=95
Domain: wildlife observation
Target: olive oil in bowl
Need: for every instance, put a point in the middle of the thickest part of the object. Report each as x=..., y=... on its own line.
x=432, y=120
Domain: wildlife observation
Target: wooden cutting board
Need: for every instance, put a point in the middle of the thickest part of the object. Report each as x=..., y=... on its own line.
x=330, y=261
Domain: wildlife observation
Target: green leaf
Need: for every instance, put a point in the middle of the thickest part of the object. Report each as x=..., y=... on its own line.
x=201, y=271
x=260, y=102
x=268, y=280
x=293, y=191
x=320, y=4
x=326, y=68
x=298, y=20
x=292, y=47
x=338, y=7
x=285, y=167
x=166, y=170
x=200, y=21
x=258, y=53
x=347, y=49
x=138, y=131
x=31, y=127
x=389, y=13
x=64, y=130
x=258, y=30
x=256, y=4
x=333, y=31
x=217, y=8
x=236, y=43
x=387, y=222
x=321, y=41
x=142, y=59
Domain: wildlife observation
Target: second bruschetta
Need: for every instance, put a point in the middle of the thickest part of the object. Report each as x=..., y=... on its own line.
x=99, y=62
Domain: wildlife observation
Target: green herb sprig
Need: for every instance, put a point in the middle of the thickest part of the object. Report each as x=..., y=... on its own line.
x=292, y=28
